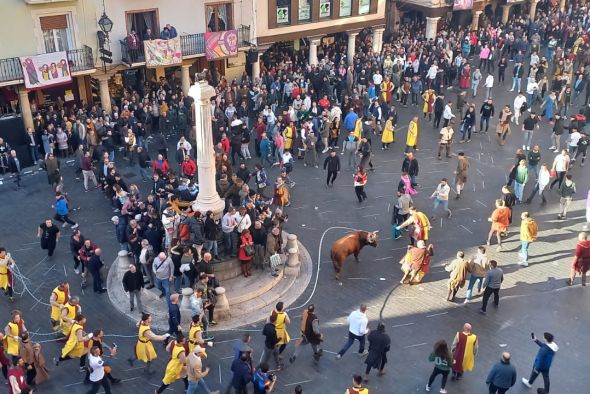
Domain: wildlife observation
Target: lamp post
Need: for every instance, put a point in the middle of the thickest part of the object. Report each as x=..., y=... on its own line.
x=106, y=25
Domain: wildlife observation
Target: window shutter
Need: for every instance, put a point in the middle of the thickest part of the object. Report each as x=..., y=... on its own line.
x=56, y=22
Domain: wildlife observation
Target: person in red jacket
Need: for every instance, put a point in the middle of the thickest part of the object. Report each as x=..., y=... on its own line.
x=581, y=262
x=160, y=165
x=16, y=376
x=245, y=258
x=189, y=168
x=225, y=143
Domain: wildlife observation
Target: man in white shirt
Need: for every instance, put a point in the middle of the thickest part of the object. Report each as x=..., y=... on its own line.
x=228, y=224
x=441, y=197
x=97, y=375
x=447, y=114
x=518, y=102
x=357, y=329
x=489, y=84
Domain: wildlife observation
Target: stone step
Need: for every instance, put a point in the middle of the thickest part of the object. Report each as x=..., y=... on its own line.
x=265, y=300
x=227, y=269
x=242, y=289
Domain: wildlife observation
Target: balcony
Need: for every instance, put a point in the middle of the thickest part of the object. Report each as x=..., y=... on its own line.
x=192, y=45
x=80, y=60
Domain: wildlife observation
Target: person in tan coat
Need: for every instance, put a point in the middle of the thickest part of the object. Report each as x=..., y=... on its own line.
x=458, y=269
x=461, y=173
x=195, y=373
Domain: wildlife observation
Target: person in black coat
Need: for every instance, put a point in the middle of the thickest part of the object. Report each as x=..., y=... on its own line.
x=132, y=284
x=94, y=265
x=332, y=164
x=15, y=167
x=379, y=344
x=410, y=165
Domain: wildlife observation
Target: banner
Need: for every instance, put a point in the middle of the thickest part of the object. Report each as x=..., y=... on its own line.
x=459, y=5
x=162, y=52
x=46, y=70
x=221, y=44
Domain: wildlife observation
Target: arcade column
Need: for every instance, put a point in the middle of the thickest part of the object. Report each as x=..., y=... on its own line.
x=105, y=94
x=475, y=20
x=378, y=39
x=505, y=12
x=313, y=51
x=431, y=27
x=186, y=78
x=25, y=107
x=533, y=9
x=351, y=46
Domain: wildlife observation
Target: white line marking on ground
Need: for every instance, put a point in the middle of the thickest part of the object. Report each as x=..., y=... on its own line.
x=437, y=314
x=480, y=173
x=481, y=203
x=416, y=345
x=402, y=325
x=296, y=383
x=466, y=229
x=384, y=258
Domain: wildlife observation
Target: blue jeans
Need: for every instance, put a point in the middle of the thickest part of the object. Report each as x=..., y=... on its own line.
x=177, y=283
x=519, y=190
x=211, y=246
x=144, y=173
x=527, y=138
x=482, y=120
x=444, y=203
x=199, y=387
x=515, y=84
x=34, y=154
x=524, y=251
x=534, y=168
x=465, y=131
x=348, y=344
x=472, y=280
x=112, y=155
x=164, y=286
x=228, y=243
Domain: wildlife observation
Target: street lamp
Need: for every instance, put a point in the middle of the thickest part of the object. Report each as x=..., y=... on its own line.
x=105, y=24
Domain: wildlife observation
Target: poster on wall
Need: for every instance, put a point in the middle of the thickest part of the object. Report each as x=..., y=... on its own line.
x=325, y=8
x=459, y=5
x=162, y=52
x=364, y=7
x=304, y=12
x=46, y=70
x=221, y=44
x=282, y=15
x=345, y=7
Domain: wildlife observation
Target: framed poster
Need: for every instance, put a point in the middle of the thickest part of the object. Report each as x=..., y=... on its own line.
x=304, y=12
x=45, y=70
x=345, y=7
x=364, y=7
x=282, y=15
x=325, y=8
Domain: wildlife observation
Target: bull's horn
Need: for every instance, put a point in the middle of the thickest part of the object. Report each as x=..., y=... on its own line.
x=376, y=231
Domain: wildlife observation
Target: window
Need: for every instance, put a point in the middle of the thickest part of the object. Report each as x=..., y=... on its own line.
x=304, y=10
x=345, y=7
x=283, y=12
x=364, y=7
x=219, y=17
x=144, y=23
x=325, y=8
x=57, y=33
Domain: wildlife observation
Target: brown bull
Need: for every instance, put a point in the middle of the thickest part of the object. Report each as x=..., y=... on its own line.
x=351, y=243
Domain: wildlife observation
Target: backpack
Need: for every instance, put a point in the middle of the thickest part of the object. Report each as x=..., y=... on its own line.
x=259, y=380
x=184, y=232
x=533, y=228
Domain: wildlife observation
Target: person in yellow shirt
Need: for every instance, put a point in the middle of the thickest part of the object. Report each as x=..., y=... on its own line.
x=528, y=234
x=144, y=348
x=74, y=347
x=13, y=332
x=388, y=135
x=281, y=328
x=357, y=386
x=175, y=369
x=59, y=296
x=195, y=334
x=68, y=314
x=6, y=279
x=289, y=134
x=412, y=138
x=358, y=128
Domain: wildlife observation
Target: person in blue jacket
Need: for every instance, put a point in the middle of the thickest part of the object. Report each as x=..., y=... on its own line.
x=502, y=376
x=543, y=360
x=62, y=210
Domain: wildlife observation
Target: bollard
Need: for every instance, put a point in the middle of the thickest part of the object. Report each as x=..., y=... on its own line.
x=124, y=260
x=292, y=264
x=185, y=303
x=222, y=306
x=292, y=242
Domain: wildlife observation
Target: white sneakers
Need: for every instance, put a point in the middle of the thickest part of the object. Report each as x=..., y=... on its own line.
x=526, y=383
x=442, y=391
x=523, y=264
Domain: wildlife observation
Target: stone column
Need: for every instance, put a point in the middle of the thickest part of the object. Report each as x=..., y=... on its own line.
x=105, y=94
x=313, y=51
x=256, y=68
x=207, y=199
x=185, y=303
x=186, y=78
x=533, y=9
x=378, y=39
x=25, y=107
x=475, y=20
x=351, y=46
x=505, y=12
x=431, y=27
x=562, y=5
x=222, y=311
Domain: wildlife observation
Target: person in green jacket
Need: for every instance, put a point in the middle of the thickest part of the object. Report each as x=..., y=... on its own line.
x=441, y=356
x=520, y=179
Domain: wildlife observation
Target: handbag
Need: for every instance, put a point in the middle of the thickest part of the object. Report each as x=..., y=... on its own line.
x=249, y=250
x=552, y=173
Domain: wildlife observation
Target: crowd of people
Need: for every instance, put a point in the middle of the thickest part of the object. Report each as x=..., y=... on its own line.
x=295, y=113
